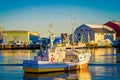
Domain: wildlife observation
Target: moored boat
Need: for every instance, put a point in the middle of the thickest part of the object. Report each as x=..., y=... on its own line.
x=57, y=59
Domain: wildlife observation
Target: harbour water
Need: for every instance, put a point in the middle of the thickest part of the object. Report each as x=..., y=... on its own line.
x=104, y=65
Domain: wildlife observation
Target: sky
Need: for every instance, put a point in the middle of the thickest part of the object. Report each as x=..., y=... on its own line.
x=38, y=15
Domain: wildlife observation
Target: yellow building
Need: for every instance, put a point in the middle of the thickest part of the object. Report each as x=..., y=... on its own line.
x=20, y=37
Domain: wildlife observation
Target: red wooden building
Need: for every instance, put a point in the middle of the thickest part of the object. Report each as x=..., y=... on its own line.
x=116, y=26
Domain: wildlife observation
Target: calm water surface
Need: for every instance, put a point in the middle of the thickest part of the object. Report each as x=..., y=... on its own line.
x=104, y=65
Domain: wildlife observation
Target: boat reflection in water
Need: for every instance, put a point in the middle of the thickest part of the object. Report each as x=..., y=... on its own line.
x=71, y=75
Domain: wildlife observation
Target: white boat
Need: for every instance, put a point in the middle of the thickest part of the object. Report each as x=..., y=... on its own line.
x=57, y=59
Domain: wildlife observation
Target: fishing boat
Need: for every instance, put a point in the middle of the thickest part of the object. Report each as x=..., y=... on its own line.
x=57, y=58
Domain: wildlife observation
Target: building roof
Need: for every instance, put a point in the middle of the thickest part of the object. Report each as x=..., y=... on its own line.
x=15, y=31
x=115, y=25
x=100, y=28
x=19, y=31
x=116, y=22
x=94, y=25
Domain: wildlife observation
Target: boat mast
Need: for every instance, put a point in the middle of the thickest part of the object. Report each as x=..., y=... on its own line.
x=73, y=25
x=51, y=35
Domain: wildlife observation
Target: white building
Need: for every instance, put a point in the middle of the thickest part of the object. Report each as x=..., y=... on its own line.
x=96, y=33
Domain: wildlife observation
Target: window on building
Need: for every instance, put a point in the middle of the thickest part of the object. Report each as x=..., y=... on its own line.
x=81, y=30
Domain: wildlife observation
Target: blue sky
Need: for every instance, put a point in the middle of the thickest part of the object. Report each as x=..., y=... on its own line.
x=37, y=15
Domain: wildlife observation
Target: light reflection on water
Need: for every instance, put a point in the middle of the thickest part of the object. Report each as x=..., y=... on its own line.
x=105, y=56
x=16, y=56
x=101, y=71
x=105, y=72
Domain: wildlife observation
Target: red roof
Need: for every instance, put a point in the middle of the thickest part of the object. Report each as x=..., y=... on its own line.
x=115, y=26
